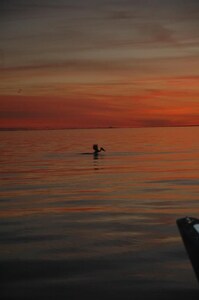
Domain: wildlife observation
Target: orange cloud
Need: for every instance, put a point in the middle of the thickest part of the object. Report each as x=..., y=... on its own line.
x=128, y=104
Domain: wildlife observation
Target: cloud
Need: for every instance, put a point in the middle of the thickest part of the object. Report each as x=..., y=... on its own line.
x=105, y=31
x=98, y=59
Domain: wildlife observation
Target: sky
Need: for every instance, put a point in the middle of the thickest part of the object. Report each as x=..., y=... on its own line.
x=99, y=63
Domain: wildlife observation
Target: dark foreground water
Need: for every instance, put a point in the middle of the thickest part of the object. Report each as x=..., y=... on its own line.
x=73, y=225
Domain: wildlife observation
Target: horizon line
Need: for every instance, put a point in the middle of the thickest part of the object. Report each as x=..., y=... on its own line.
x=90, y=128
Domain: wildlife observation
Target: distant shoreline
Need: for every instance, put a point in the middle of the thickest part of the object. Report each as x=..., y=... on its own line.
x=92, y=128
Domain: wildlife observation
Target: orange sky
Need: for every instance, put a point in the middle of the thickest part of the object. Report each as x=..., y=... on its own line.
x=74, y=64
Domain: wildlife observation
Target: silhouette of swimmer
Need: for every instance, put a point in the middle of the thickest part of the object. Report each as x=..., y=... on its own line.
x=96, y=149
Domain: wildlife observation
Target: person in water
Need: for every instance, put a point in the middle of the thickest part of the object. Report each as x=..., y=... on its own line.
x=96, y=149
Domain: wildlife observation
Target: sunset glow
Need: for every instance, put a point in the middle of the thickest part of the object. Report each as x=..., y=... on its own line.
x=85, y=64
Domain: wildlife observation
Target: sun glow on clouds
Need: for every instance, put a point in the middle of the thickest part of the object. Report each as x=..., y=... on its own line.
x=99, y=63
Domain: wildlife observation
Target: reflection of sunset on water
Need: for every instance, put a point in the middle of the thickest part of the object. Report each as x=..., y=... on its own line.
x=62, y=210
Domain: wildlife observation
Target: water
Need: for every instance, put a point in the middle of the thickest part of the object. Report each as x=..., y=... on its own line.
x=76, y=225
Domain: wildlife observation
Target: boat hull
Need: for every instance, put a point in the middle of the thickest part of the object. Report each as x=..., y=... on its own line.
x=189, y=230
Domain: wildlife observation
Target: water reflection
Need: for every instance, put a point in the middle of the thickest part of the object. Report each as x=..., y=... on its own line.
x=107, y=218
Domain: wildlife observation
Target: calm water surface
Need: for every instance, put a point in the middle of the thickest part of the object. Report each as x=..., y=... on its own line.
x=72, y=223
